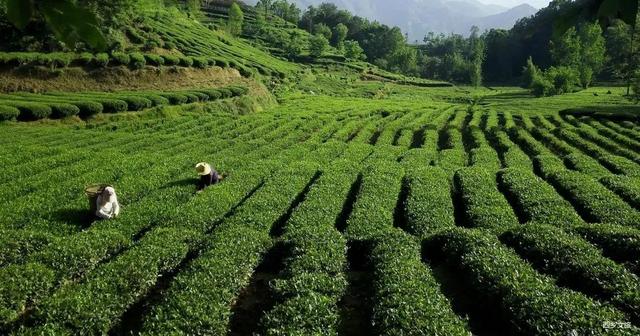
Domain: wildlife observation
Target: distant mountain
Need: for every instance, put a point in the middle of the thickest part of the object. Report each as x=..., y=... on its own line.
x=418, y=17
x=507, y=18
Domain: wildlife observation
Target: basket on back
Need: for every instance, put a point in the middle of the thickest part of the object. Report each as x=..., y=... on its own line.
x=93, y=191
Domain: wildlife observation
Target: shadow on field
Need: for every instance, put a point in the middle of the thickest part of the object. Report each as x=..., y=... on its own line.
x=618, y=113
x=81, y=218
x=482, y=319
x=355, y=305
x=509, y=96
x=181, y=183
x=258, y=297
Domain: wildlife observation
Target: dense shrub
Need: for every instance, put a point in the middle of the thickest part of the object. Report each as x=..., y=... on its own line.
x=101, y=60
x=564, y=79
x=622, y=139
x=62, y=110
x=484, y=205
x=212, y=93
x=120, y=282
x=373, y=212
x=577, y=264
x=15, y=245
x=615, y=163
x=175, y=98
x=607, y=143
x=507, y=287
x=153, y=59
x=113, y=105
x=620, y=243
x=238, y=90
x=200, y=62
x=155, y=99
x=536, y=200
x=191, y=97
x=452, y=159
x=171, y=59
x=221, y=63
x=200, y=95
x=226, y=93
x=586, y=165
x=429, y=206
x=8, y=112
x=88, y=108
x=407, y=297
x=28, y=110
x=485, y=157
x=626, y=187
x=136, y=103
x=186, y=61
x=596, y=203
x=137, y=61
x=246, y=72
x=120, y=58
x=22, y=283
x=86, y=58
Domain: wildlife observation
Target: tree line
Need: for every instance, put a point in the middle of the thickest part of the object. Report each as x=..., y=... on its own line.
x=565, y=46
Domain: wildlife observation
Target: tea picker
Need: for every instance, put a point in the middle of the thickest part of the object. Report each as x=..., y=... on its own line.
x=103, y=201
x=208, y=176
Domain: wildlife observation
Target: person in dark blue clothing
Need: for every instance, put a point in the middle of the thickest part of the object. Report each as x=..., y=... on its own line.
x=208, y=176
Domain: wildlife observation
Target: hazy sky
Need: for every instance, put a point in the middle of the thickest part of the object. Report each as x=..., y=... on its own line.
x=512, y=3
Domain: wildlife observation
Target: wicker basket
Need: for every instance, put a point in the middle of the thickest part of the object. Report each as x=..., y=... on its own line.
x=93, y=191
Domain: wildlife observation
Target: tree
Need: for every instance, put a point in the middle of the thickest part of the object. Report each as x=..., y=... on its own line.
x=566, y=49
x=478, y=55
x=583, y=49
x=592, y=53
x=353, y=50
x=236, y=19
x=623, y=61
x=265, y=5
x=563, y=78
x=317, y=45
x=339, y=35
x=294, y=44
x=530, y=74
x=285, y=10
x=70, y=21
x=404, y=60
x=636, y=86
x=323, y=30
x=604, y=11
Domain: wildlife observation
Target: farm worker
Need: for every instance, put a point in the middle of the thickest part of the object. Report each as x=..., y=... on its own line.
x=208, y=175
x=107, y=204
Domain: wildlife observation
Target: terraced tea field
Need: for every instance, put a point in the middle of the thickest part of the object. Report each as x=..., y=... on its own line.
x=339, y=217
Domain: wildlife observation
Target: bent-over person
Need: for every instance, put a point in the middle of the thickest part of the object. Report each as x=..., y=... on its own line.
x=208, y=175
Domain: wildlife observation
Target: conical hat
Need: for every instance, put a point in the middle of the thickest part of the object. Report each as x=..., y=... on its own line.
x=203, y=168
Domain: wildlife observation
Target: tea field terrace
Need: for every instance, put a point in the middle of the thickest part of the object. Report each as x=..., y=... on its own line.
x=411, y=212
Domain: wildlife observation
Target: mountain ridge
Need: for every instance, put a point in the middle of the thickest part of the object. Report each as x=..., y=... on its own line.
x=419, y=17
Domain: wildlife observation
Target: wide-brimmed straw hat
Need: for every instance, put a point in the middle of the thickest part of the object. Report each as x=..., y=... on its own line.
x=203, y=168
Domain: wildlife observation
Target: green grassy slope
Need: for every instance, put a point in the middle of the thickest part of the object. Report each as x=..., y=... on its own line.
x=329, y=216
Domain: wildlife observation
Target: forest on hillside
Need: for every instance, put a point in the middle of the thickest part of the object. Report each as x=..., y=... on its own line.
x=539, y=52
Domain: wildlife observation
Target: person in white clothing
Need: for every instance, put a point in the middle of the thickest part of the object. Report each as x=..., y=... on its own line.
x=107, y=204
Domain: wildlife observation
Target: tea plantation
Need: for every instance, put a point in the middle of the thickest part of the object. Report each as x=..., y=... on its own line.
x=356, y=200
x=408, y=215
